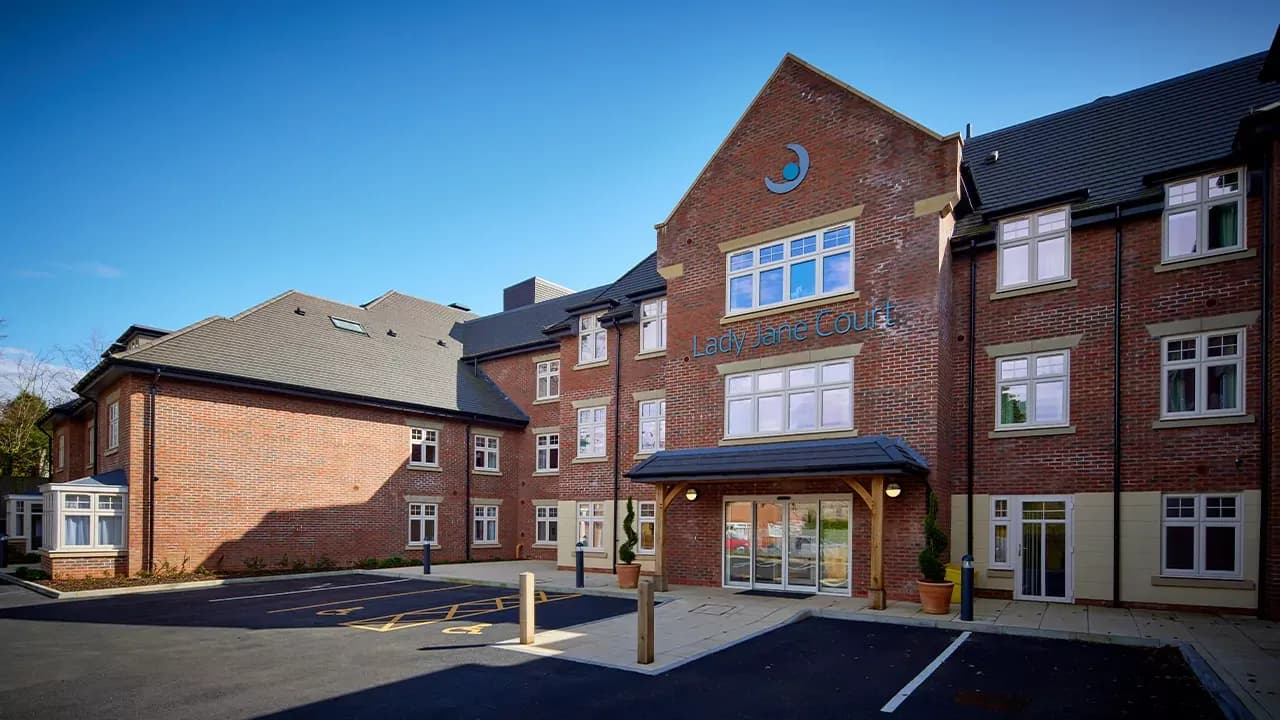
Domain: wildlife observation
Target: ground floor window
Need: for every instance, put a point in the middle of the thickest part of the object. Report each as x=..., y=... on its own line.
x=85, y=519
x=422, y=523
x=1000, y=533
x=1201, y=536
x=648, y=527
x=800, y=544
x=591, y=525
x=485, y=525
x=547, y=522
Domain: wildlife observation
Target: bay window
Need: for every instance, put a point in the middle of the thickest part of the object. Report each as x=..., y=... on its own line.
x=779, y=272
x=88, y=518
x=789, y=400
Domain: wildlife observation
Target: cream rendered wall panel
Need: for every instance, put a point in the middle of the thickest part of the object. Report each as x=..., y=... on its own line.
x=565, y=551
x=1092, y=537
x=981, y=540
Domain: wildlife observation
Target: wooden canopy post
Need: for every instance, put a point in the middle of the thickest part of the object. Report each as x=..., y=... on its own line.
x=874, y=500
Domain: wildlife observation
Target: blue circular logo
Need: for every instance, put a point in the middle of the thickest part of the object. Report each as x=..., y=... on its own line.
x=792, y=173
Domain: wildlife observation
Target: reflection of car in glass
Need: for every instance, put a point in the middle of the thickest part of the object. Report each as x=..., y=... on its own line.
x=736, y=538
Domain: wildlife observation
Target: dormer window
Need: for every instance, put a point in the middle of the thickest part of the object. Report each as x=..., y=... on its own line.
x=1204, y=216
x=348, y=325
x=1034, y=249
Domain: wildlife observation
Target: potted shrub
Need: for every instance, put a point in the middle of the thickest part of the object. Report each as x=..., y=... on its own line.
x=935, y=589
x=628, y=569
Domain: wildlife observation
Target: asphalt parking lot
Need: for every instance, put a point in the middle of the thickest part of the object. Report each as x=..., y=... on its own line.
x=373, y=646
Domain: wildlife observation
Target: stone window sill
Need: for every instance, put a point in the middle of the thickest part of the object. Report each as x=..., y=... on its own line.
x=587, y=460
x=588, y=366
x=547, y=401
x=484, y=545
x=1202, y=422
x=790, y=307
x=1034, y=289
x=651, y=355
x=111, y=451
x=1172, y=265
x=795, y=437
x=490, y=473
x=426, y=468
x=546, y=473
x=544, y=545
x=1195, y=582
x=1032, y=432
x=419, y=546
x=86, y=553
x=642, y=456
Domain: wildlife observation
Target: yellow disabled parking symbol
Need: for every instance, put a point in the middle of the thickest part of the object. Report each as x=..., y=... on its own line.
x=477, y=629
x=340, y=611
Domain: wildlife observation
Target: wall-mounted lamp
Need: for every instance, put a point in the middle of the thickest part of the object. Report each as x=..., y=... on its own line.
x=691, y=494
x=893, y=490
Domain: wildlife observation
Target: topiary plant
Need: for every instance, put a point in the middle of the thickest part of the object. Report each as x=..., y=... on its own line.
x=627, y=550
x=933, y=564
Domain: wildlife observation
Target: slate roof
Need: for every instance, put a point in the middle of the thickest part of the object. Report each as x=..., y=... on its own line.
x=1108, y=146
x=114, y=478
x=272, y=344
x=861, y=455
x=519, y=327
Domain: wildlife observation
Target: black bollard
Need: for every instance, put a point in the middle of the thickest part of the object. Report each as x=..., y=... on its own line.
x=4, y=551
x=966, y=588
x=579, y=580
x=426, y=558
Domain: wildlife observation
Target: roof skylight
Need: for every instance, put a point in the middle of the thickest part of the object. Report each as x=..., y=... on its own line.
x=348, y=325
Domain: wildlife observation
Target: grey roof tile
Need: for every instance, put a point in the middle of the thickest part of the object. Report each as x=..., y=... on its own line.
x=870, y=454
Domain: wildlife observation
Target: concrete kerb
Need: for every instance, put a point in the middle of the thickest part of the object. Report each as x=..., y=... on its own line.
x=990, y=628
x=170, y=587
x=598, y=591
x=1232, y=707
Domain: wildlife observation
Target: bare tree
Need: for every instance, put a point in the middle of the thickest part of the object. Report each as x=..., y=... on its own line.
x=84, y=356
x=30, y=383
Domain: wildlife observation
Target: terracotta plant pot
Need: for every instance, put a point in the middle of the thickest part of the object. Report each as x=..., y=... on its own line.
x=935, y=598
x=628, y=575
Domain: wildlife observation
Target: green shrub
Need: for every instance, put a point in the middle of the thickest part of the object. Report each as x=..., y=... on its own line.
x=627, y=550
x=325, y=563
x=27, y=573
x=28, y=558
x=394, y=562
x=255, y=563
x=366, y=563
x=933, y=563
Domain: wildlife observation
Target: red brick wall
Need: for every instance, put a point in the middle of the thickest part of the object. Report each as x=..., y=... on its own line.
x=65, y=568
x=1272, y=570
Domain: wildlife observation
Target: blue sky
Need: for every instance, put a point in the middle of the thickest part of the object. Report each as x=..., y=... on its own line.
x=160, y=163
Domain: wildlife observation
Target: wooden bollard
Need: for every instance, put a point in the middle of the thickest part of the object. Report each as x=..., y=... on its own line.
x=526, y=608
x=644, y=630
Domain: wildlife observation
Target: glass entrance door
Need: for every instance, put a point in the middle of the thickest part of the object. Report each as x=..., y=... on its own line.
x=1044, y=563
x=798, y=544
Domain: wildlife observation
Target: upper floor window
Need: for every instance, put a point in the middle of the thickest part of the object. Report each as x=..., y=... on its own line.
x=548, y=380
x=653, y=325
x=591, y=431
x=424, y=447
x=1034, y=249
x=548, y=452
x=792, y=270
x=113, y=425
x=90, y=443
x=62, y=450
x=486, y=453
x=1204, y=216
x=653, y=425
x=592, y=340
x=1032, y=390
x=799, y=399
x=1202, y=374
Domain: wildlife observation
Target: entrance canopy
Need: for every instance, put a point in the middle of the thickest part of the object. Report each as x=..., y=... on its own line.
x=872, y=455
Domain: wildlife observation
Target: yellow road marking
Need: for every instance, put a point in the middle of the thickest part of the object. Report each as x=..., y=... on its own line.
x=374, y=597
x=477, y=629
x=340, y=611
x=456, y=611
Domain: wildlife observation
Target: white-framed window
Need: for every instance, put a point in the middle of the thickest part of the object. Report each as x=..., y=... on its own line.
x=424, y=447
x=62, y=450
x=591, y=431
x=113, y=425
x=548, y=452
x=797, y=399
x=548, y=384
x=1202, y=536
x=795, y=269
x=1032, y=390
x=1000, y=533
x=593, y=341
x=422, y=523
x=546, y=520
x=88, y=519
x=485, y=524
x=591, y=525
x=1034, y=249
x=1204, y=215
x=1202, y=374
x=90, y=443
x=486, y=455
x=17, y=521
x=648, y=521
x=653, y=325
x=653, y=425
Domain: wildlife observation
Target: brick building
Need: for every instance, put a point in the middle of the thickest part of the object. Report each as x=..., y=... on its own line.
x=1063, y=329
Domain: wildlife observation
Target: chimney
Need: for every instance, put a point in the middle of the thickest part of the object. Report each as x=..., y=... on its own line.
x=533, y=290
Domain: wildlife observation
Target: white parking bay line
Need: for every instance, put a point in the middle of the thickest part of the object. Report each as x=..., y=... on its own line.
x=918, y=680
x=326, y=586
